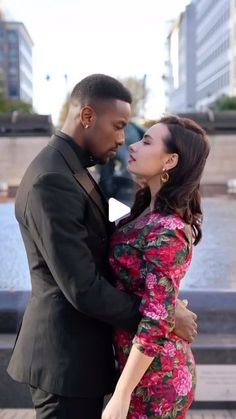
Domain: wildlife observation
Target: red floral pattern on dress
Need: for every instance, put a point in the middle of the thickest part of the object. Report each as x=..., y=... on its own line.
x=149, y=257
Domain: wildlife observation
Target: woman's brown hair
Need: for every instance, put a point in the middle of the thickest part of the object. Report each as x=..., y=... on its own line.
x=181, y=193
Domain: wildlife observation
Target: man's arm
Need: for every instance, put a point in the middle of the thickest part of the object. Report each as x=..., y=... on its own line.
x=55, y=213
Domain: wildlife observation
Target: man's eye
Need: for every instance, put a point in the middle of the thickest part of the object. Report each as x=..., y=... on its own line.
x=145, y=142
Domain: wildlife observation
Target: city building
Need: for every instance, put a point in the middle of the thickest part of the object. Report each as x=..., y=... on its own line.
x=215, y=51
x=201, y=56
x=180, y=64
x=15, y=60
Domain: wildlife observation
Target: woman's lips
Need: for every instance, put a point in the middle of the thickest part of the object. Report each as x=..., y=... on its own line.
x=132, y=159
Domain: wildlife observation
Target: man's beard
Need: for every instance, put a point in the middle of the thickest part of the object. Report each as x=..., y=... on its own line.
x=104, y=159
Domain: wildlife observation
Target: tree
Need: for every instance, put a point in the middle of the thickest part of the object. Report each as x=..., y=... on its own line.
x=225, y=103
x=7, y=105
x=64, y=111
x=139, y=92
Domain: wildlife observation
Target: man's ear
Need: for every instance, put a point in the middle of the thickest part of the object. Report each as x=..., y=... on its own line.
x=87, y=116
x=172, y=161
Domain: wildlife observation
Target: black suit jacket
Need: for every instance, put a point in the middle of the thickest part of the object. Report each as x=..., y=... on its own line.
x=64, y=345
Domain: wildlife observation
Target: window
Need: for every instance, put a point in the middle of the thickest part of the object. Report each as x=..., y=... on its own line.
x=13, y=90
x=12, y=36
x=13, y=70
x=12, y=54
x=12, y=79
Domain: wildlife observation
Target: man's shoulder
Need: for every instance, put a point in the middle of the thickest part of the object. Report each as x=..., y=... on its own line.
x=48, y=160
x=54, y=179
x=48, y=168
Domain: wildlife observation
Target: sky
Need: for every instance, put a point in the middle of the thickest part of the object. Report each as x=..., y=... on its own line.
x=80, y=37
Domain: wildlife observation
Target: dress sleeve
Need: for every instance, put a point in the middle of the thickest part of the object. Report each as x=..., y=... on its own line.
x=165, y=253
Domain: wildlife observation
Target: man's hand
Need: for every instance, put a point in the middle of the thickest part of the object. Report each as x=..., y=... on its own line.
x=185, y=322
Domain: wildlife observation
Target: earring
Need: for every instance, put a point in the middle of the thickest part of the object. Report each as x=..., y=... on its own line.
x=86, y=126
x=165, y=176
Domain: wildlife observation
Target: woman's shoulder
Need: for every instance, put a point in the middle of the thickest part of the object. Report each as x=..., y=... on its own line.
x=167, y=225
x=171, y=221
x=167, y=221
x=155, y=222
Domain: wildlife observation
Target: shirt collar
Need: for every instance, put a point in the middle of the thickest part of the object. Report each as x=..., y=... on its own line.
x=86, y=159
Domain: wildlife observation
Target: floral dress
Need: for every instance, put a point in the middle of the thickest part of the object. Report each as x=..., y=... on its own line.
x=149, y=257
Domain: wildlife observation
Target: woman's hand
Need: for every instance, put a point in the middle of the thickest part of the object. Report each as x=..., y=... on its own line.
x=117, y=407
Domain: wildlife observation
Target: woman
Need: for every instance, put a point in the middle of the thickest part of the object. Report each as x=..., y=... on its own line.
x=150, y=254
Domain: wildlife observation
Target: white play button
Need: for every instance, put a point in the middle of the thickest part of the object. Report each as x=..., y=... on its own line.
x=117, y=209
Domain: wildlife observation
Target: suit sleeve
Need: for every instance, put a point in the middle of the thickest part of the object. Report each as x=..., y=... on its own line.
x=54, y=215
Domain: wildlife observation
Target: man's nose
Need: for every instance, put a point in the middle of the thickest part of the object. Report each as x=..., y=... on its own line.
x=120, y=139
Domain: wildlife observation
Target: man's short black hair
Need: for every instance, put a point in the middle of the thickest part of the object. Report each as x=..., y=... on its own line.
x=100, y=86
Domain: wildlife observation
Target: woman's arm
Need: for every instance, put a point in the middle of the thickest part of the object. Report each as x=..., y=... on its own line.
x=135, y=367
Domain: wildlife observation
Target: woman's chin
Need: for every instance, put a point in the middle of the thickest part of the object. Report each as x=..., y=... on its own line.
x=131, y=170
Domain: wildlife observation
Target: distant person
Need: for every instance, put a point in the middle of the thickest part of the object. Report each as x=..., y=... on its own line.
x=115, y=180
x=64, y=347
x=150, y=252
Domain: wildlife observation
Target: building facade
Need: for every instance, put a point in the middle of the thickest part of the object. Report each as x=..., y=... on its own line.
x=208, y=51
x=15, y=61
x=181, y=61
x=215, y=53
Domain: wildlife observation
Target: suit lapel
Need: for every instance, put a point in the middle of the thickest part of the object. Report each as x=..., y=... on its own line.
x=80, y=174
x=89, y=187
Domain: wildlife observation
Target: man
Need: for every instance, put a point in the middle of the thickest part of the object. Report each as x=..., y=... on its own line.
x=64, y=348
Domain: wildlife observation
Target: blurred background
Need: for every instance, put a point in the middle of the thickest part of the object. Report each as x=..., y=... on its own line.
x=176, y=56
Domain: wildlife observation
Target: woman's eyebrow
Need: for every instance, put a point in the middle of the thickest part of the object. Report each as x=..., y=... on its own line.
x=147, y=136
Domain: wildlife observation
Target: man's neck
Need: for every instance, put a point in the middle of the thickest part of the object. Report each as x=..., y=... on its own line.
x=66, y=129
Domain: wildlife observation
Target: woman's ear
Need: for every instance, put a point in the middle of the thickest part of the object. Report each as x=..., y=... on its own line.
x=172, y=161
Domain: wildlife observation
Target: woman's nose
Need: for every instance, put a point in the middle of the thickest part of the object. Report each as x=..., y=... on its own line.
x=131, y=148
